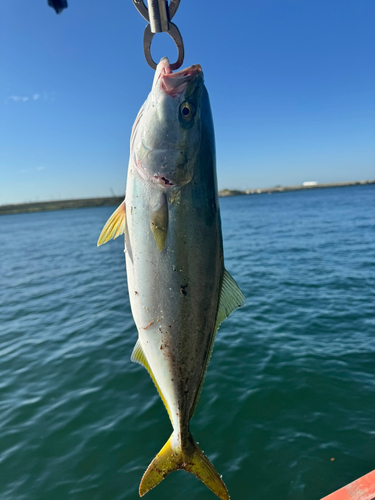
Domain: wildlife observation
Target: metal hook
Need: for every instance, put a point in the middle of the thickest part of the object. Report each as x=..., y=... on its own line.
x=175, y=34
x=144, y=11
x=173, y=6
x=158, y=15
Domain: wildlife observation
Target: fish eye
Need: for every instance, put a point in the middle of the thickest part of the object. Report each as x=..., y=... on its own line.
x=187, y=111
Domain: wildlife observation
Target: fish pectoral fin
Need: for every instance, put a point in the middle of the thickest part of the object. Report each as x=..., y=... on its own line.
x=115, y=225
x=159, y=222
x=138, y=356
x=231, y=297
x=188, y=457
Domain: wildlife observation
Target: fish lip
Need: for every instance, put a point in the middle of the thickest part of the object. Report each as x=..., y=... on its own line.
x=174, y=84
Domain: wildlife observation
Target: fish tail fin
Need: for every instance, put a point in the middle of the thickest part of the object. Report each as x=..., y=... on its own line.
x=188, y=457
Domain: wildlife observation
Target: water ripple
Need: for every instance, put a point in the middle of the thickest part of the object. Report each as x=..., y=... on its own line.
x=288, y=406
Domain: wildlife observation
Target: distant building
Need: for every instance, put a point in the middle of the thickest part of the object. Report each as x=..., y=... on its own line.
x=309, y=183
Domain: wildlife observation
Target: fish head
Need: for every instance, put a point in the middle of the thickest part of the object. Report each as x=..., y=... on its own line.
x=166, y=134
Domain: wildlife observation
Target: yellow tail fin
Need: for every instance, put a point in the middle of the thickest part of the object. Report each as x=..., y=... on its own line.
x=190, y=458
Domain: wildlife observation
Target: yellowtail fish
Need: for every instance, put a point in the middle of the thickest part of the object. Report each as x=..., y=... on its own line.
x=179, y=289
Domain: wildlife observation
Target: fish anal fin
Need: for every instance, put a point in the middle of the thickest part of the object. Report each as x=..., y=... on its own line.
x=138, y=356
x=115, y=225
x=188, y=457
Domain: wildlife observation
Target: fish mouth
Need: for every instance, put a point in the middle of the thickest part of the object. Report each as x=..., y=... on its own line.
x=174, y=84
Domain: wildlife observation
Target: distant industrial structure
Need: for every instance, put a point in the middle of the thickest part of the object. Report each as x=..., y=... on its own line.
x=282, y=189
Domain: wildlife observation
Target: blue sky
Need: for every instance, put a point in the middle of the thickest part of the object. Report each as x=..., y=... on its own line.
x=291, y=82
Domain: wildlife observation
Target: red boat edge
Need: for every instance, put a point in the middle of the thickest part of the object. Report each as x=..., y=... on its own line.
x=360, y=489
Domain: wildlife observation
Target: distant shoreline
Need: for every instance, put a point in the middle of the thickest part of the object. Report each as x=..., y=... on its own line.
x=46, y=206
x=300, y=187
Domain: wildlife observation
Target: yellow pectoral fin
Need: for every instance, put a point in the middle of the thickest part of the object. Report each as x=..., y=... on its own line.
x=188, y=457
x=159, y=222
x=114, y=226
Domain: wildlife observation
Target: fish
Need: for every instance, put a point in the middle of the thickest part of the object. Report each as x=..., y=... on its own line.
x=179, y=289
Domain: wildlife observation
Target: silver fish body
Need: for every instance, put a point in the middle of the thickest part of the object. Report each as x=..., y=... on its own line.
x=178, y=287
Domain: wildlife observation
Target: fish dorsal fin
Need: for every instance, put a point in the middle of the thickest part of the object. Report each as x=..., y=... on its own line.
x=231, y=297
x=138, y=356
x=115, y=225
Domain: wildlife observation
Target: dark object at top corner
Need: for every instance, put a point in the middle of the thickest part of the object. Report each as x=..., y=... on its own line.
x=58, y=5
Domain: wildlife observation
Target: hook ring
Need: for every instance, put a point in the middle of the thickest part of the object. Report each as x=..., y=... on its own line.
x=175, y=34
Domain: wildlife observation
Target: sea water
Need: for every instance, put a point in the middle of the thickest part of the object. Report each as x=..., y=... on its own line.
x=288, y=405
